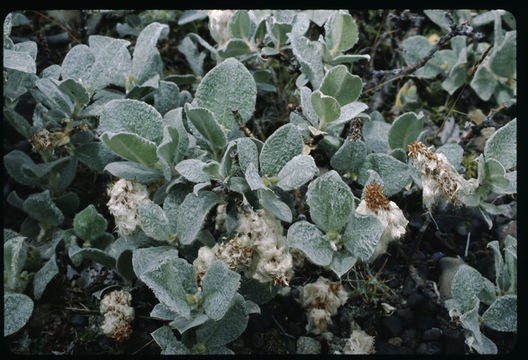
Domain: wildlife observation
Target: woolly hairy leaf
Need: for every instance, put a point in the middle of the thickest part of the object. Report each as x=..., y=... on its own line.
x=503, y=60
x=153, y=221
x=228, y=86
x=282, y=146
x=362, y=235
x=132, y=116
x=146, y=61
x=168, y=149
x=342, y=262
x=44, y=276
x=297, y=172
x=219, y=286
x=168, y=343
x=502, y=145
x=502, y=314
x=394, y=173
x=253, y=178
x=233, y=48
x=309, y=54
x=217, y=333
x=349, y=156
x=341, y=32
x=465, y=285
x=342, y=85
x=17, y=311
x=145, y=259
x=41, y=207
x=326, y=107
x=309, y=239
x=78, y=63
x=15, y=256
x=171, y=280
x=133, y=172
x=132, y=147
x=192, y=213
x=205, y=123
x=113, y=62
x=331, y=201
x=271, y=202
x=88, y=224
x=405, y=130
x=193, y=170
x=19, y=61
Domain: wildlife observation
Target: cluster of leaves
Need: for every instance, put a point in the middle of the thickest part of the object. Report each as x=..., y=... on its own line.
x=115, y=111
x=469, y=289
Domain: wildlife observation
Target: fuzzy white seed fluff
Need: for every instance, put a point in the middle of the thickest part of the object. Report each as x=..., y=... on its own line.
x=218, y=25
x=393, y=221
x=125, y=199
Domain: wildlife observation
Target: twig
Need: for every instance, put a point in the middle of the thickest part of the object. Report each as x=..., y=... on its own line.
x=58, y=24
x=475, y=129
x=462, y=29
x=281, y=329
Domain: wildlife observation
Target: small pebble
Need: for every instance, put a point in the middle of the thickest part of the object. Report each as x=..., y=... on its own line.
x=432, y=334
x=307, y=345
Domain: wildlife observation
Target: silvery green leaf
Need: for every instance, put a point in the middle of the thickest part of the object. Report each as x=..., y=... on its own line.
x=271, y=202
x=168, y=149
x=297, y=172
x=154, y=222
x=348, y=112
x=309, y=54
x=78, y=63
x=394, y=173
x=330, y=200
x=132, y=116
x=501, y=280
x=166, y=97
x=376, y=135
x=44, y=276
x=18, y=84
x=282, y=146
x=310, y=240
x=19, y=61
x=160, y=311
x=168, y=343
x=488, y=293
x=502, y=145
x=233, y=48
x=416, y=47
x=88, y=224
x=349, y=156
x=306, y=105
x=219, y=286
x=194, y=58
x=350, y=58
x=405, y=130
x=247, y=153
x=41, y=207
x=174, y=119
x=146, y=259
x=17, y=311
x=326, y=107
x=483, y=83
x=253, y=178
x=496, y=176
x=192, y=213
x=182, y=324
x=172, y=280
x=217, y=333
x=75, y=91
x=208, y=127
x=457, y=77
x=465, y=285
x=503, y=60
x=453, y=152
x=319, y=17
x=362, y=235
x=341, y=32
x=480, y=342
x=15, y=256
x=146, y=60
x=439, y=18
x=240, y=24
x=133, y=171
x=252, y=308
x=14, y=162
x=93, y=254
x=113, y=63
x=193, y=170
x=57, y=99
x=228, y=86
x=342, y=262
x=132, y=147
x=191, y=15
